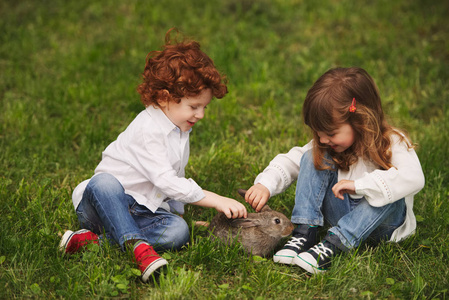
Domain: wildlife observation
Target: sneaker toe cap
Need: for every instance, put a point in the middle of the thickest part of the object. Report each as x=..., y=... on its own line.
x=284, y=256
x=306, y=261
x=64, y=240
x=153, y=267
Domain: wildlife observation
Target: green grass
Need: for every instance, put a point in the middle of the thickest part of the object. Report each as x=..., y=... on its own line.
x=68, y=74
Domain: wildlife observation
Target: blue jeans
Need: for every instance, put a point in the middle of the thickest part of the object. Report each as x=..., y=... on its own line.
x=352, y=220
x=106, y=210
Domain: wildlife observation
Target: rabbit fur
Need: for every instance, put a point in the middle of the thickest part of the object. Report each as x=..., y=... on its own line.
x=259, y=233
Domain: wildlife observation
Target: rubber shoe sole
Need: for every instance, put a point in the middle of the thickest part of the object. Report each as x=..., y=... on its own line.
x=153, y=267
x=65, y=240
x=285, y=256
x=308, y=262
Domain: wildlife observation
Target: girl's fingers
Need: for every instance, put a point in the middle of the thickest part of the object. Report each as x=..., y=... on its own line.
x=249, y=197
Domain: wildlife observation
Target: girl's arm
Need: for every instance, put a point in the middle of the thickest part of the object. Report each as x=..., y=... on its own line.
x=342, y=187
x=257, y=196
x=277, y=177
x=382, y=187
x=230, y=207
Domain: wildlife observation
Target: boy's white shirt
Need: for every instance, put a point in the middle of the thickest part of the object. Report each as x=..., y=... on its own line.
x=149, y=159
x=379, y=187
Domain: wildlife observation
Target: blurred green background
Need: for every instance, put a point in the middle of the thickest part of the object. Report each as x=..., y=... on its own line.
x=68, y=77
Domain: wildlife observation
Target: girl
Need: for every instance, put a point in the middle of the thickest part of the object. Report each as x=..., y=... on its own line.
x=359, y=174
x=140, y=178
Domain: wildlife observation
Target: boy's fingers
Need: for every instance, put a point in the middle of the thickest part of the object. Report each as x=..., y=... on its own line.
x=228, y=214
x=241, y=212
x=233, y=213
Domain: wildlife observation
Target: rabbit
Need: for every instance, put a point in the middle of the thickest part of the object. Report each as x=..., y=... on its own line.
x=259, y=233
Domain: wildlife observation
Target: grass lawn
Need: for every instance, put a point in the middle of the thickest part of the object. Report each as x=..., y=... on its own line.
x=68, y=77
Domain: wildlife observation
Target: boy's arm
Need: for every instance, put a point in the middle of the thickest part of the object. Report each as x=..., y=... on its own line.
x=230, y=207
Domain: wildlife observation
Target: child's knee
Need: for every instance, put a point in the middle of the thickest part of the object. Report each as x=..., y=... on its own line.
x=104, y=182
x=181, y=234
x=177, y=235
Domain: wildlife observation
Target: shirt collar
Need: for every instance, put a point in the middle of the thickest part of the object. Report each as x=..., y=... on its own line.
x=159, y=116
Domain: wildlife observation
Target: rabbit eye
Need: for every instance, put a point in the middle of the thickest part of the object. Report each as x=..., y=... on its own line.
x=278, y=221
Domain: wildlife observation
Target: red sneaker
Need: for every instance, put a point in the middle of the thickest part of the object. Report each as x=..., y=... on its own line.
x=147, y=259
x=73, y=242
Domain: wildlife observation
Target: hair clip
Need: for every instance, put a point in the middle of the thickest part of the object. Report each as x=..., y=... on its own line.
x=352, y=108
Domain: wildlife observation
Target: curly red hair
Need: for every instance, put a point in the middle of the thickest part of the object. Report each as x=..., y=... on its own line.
x=179, y=70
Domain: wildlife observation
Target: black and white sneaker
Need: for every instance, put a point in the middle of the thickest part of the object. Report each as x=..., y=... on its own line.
x=318, y=258
x=304, y=237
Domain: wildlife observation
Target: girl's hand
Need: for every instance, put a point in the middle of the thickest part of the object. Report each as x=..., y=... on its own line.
x=343, y=187
x=257, y=196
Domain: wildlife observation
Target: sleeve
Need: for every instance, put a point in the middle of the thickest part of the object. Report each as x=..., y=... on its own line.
x=382, y=187
x=282, y=170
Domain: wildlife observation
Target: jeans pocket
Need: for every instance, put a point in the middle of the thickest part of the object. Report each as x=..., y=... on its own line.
x=139, y=210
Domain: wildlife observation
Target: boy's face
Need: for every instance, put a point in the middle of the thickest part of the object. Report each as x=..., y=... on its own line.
x=187, y=112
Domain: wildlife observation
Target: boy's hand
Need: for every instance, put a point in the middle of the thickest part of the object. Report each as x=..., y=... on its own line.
x=257, y=196
x=343, y=187
x=231, y=208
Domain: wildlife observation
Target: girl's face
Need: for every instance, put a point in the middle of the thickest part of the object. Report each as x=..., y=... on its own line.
x=339, y=139
x=187, y=112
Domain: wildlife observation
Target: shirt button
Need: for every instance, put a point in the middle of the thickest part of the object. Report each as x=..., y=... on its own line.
x=158, y=195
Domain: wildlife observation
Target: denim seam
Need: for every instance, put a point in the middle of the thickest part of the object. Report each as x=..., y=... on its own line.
x=127, y=237
x=318, y=198
x=159, y=221
x=121, y=239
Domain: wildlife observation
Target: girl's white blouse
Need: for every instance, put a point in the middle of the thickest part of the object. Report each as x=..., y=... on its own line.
x=379, y=187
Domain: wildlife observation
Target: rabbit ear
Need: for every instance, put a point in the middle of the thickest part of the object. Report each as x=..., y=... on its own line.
x=265, y=208
x=245, y=223
x=241, y=192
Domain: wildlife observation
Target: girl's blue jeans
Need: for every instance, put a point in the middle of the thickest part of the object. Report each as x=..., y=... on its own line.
x=352, y=220
x=108, y=211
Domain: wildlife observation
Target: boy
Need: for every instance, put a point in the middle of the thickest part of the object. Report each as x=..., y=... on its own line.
x=140, y=181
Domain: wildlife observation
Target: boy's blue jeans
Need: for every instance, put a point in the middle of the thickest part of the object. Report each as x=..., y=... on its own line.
x=106, y=209
x=352, y=220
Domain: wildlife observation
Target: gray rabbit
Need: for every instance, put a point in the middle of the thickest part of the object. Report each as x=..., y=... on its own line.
x=259, y=233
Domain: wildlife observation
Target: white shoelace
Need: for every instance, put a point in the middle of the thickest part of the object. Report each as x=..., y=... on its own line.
x=322, y=250
x=296, y=242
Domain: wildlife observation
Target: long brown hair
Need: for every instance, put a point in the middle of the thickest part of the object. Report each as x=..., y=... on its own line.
x=182, y=69
x=326, y=108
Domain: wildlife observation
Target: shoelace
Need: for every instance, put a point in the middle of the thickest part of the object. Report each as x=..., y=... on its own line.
x=296, y=242
x=322, y=250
